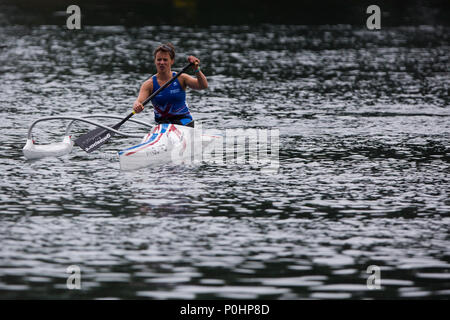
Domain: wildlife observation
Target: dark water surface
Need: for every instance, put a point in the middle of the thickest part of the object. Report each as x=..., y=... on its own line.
x=363, y=178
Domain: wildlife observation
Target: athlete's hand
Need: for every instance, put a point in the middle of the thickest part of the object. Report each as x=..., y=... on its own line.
x=195, y=61
x=138, y=107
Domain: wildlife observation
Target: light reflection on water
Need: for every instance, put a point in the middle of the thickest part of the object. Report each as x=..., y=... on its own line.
x=363, y=177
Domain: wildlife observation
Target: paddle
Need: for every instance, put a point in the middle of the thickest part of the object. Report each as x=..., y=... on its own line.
x=94, y=139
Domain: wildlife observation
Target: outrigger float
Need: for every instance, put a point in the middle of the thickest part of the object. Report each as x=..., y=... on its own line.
x=165, y=143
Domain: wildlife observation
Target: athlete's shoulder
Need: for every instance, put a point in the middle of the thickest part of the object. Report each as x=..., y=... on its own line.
x=148, y=83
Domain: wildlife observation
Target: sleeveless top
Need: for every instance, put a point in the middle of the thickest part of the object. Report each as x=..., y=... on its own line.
x=170, y=104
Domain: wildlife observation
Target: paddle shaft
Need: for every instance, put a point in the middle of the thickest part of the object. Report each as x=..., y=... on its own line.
x=154, y=94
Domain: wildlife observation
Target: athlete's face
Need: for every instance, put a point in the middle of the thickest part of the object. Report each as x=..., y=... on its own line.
x=163, y=61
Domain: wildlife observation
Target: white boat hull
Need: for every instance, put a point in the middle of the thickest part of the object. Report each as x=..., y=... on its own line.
x=166, y=143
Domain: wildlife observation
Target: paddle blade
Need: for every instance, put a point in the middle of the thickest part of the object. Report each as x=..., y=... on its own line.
x=95, y=139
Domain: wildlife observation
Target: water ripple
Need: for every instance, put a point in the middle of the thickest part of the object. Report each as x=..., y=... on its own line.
x=363, y=177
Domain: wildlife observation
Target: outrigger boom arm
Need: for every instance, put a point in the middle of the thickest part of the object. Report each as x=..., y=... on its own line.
x=83, y=119
x=33, y=151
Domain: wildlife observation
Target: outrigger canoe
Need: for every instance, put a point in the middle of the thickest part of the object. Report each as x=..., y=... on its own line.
x=165, y=143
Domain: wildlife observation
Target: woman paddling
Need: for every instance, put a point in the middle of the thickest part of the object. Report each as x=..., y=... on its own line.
x=170, y=104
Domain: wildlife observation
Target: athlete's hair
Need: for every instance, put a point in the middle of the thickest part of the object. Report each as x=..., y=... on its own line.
x=166, y=47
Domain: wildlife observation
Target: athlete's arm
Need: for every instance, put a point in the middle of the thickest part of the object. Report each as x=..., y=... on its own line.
x=198, y=82
x=144, y=93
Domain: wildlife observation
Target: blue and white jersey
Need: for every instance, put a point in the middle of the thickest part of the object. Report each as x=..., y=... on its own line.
x=170, y=103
